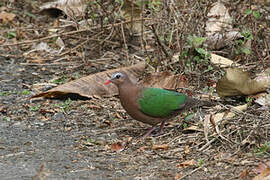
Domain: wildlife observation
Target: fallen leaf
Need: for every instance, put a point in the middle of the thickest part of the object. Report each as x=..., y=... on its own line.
x=165, y=80
x=222, y=61
x=42, y=46
x=238, y=82
x=178, y=176
x=217, y=118
x=143, y=148
x=118, y=147
x=219, y=28
x=187, y=150
x=6, y=17
x=72, y=8
x=261, y=167
x=193, y=128
x=186, y=164
x=92, y=85
x=244, y=174
x=162, y=147
x=265, y=175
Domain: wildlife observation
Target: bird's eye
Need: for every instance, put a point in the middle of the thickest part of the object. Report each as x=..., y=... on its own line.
x=118, y=76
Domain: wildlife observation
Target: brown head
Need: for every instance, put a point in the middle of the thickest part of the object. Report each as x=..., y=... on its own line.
x=118, y=78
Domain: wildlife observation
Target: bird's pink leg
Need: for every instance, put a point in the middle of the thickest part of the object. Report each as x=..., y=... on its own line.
x=149, y=132
x=160, y=131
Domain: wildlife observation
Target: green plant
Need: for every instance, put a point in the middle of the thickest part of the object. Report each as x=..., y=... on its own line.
x=30, y=15
x=256, y=14
x=6, y=119
x=65, y=106
x=200, y=162
x=5, y=93
x=195, y=53
x=240, y=44
x=195, y=41
x=185, y=125
x=248, y=99
x=60, y=80
x=263, y=149
x=25, y=92
x=11, y=35
x=34, y=108
x=189, y=116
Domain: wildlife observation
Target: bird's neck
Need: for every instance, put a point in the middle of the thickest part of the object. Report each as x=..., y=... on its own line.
x=128, y=89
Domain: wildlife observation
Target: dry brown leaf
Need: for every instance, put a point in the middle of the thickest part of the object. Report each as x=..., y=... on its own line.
x=213, y=123
x=165, y=80
x=238, y=82
x=162, y=147
x=193, y=128
x=244, y=174
x=143, y=148
x=187, y=150
x=92, y=85
x=72, y=8
x=219, y=27
x=6, y=17
x=261, y=167
x=118, y=147
x=186, y=164
x=217, y=118
x=221, y=61
x=178, y=176
x=265, y=175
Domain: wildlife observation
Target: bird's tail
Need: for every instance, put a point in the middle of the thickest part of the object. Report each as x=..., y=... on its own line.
x=195, y=103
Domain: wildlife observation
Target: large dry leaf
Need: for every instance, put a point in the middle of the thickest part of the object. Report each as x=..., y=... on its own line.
x=219, y=28
x=222, y=61
x=238, y=82
x=72, y=8
x=165, y=80
x=264, y=101
x=219, y=117
x=92, y=85
x=265, y=175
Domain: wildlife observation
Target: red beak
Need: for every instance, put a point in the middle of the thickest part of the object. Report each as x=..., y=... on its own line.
x=107, y=82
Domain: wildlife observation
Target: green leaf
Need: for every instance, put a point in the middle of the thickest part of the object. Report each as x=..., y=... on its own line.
x=30, y=15
x=248, y=11
x=12, y=35
x=201, y=51
x=256, y=14
x=189, y=117
x=195, y=41
x=246, y=51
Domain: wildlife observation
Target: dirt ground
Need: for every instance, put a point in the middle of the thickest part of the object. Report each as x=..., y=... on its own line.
x=95, y=138
x=76, y=143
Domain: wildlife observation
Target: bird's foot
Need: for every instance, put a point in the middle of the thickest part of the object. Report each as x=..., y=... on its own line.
x=149, y=132
x=160, y=131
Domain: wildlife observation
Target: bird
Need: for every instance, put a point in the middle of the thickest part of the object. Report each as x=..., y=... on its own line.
x=150, y=105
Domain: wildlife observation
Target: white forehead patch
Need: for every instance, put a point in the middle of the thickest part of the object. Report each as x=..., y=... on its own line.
x=117, y=74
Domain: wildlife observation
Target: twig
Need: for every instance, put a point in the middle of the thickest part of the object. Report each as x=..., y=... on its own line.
x=125, y=42
x=69, y=33
x=191, y=172
x=159, y=42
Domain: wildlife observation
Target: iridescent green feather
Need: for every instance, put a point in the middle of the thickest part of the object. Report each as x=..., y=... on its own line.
x=157, y=102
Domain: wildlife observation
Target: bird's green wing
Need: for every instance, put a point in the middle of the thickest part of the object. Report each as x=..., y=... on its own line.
x=162, y=103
